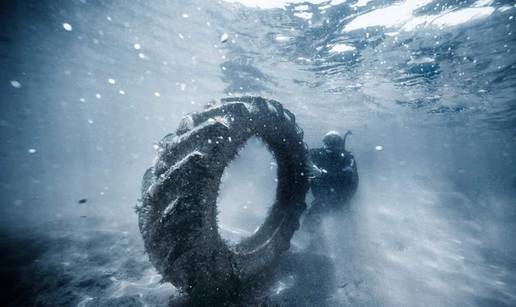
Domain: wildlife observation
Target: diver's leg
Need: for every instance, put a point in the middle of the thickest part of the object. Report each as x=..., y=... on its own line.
x=312, y=217
x=312, y=225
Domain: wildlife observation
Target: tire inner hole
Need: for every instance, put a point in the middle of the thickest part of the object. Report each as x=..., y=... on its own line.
x=246, y=192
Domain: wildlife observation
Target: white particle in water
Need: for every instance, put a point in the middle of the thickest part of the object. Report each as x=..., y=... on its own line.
x=98, y=96
x=109, y=18
x=137, y=46
x=141, y=55
x=224, y=38
x=67, y=26
x=122, y=92
x=185, y=15
x=282, y=38
x=341, y=48
x=82, y=99
x=157, y=94
x=379, y=148
x=32, y=150
x=15, y=84
x=111, y=81
x=90, y=121
x=181, y=36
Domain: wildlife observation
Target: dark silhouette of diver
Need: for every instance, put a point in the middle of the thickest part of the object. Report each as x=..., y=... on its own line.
x=334, y=181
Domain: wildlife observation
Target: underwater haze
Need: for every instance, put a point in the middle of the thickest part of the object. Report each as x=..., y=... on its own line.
x=428, y=88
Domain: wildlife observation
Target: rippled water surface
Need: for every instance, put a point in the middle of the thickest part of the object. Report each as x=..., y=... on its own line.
x=427, y=87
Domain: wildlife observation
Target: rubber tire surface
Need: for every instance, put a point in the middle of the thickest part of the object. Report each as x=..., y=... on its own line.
x=178, y=213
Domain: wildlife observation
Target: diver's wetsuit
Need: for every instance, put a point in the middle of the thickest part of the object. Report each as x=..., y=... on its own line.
x=338, y=179
x=335, y=181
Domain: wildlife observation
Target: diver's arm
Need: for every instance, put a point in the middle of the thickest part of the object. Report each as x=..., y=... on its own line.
x=351, y=166
x=313, y=170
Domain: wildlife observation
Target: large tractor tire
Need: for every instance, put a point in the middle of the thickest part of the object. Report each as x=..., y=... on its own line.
x=178, y=213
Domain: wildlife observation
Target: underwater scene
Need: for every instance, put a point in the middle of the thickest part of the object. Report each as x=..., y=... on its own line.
x=258, y=153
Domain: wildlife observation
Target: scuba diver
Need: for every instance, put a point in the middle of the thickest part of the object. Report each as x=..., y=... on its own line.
x=334, y=181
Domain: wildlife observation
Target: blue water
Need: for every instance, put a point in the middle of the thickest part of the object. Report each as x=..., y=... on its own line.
x=87, y=87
